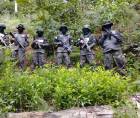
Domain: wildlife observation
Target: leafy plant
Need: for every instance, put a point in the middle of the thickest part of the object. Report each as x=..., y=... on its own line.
x=59, y=87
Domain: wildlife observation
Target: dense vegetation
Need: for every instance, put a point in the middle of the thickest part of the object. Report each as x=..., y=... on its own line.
x=60, y=88
x=56, y=86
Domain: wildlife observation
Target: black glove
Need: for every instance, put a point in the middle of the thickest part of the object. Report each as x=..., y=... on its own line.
x=35, y=45
x=60, y=45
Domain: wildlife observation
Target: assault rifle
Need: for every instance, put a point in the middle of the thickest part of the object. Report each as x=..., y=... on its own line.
x=85, y=44
x=38, y=42
x=111, y=34
x=17, y=40
x=69, y=50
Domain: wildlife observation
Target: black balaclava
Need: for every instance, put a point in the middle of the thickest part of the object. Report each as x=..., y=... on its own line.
x=106, y=28
x=20, y=30
x=86, y=31
x=2, y=30
x=63, y=30
x=40, y=33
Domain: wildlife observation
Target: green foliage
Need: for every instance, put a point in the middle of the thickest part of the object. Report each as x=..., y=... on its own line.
x=50, y=14
x=133, y=68
x=59, y=87
x=21, y=94
x=6, y=7
x=76, y=13
x=128, y=110
x=84, y=87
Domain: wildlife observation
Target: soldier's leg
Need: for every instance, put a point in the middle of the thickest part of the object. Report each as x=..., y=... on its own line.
x=120, y=62
x=90, y=59
x=1, y=56
x=41, y=59
x=119, y=59
x=14, y=53
x=67, y=59
x=82, y=60
x=108, y=61
x=21, y=57
x=59, y=57
x=35, y=60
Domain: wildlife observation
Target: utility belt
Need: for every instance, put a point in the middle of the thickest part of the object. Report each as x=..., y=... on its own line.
x=61, y=46
x=111, y=51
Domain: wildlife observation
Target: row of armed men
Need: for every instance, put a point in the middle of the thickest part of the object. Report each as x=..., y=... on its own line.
x=110, y=41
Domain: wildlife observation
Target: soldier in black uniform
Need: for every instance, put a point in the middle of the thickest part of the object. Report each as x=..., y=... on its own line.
x=39, y=45
x=4, y=41
x=111, y=41
x=20, y=42
x=64, y=46
x=3, y=36
x=86, y=42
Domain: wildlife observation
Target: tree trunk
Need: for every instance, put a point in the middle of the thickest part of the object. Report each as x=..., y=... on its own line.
x=16, y=7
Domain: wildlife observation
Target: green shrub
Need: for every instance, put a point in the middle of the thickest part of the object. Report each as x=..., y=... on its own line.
x=59, y=87
x=21, y=93
x=6, y=7
x=78, y=87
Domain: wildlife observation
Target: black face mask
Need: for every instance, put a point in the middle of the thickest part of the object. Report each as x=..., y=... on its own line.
x=86, y=31
x=40, y=33
x=20, y=30
x=2, y=30
x=64, y=31
x=106, y=28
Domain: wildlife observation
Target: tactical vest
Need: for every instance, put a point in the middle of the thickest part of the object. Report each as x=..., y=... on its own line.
x=21, y=40
x=39, y=41
x=89, y=40
x=65, y=40
x=112, y=43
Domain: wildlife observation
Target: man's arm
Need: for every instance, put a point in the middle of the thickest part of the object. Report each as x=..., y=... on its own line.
x=92, y=42
x=27, y=41
x=118, y=36
x=57, y=41
x=45, y=44
x=102, y=39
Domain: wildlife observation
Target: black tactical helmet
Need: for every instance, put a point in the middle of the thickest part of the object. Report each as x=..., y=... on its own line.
x=86, y=29
x=3, y=26
x=63, y=27
x=39, y=32
x=107, y=23
x=20, y=26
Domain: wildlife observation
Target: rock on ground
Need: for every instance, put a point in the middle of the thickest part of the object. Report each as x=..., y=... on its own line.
x=89, y=112
x=136, y=101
